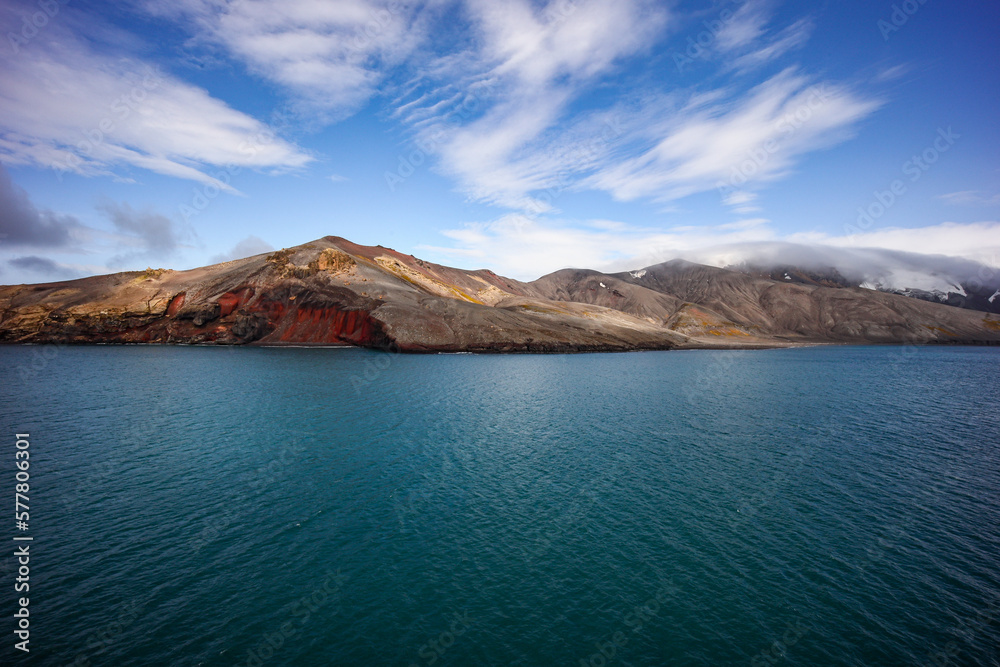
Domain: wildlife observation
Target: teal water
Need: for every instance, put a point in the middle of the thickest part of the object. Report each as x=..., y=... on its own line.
x=203, y=506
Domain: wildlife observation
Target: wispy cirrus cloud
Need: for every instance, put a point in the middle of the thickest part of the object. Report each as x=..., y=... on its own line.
x=971, y=198
x=736, y=143
x=534, y=124
x=507, y=114
x=511, y=111
x=744, y=28
x=746, y=41
x=789, y=38
x=70, y=107
x=329, y=57
x=497, y=113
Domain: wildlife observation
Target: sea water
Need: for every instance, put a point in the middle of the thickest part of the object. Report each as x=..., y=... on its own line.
x=222, y=506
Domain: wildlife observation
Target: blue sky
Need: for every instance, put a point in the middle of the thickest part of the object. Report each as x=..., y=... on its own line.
x=519, y=136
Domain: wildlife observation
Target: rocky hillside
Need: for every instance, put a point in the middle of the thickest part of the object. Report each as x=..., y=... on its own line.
x=332, y=291
x=974, y=294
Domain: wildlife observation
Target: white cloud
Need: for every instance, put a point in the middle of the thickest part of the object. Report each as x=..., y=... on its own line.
x=889, y=259
x=523, y=247
x=497, y=112
x=744, y=28
x=743, y=41
x=979, y=241
x=892, y=73
x=733, y=145
x=330, y=56
x=790, y=38
x=68, y=107
x=741, y=201
x=496, y=115
x=971, y=198
x=526, y=248
x=578, y=39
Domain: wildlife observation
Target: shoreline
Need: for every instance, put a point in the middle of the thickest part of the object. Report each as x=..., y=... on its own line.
x=514, y=350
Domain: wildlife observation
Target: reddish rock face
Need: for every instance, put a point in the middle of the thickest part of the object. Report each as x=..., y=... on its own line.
x=294, y=313
x=176, y=304
x=228, y=302
x=330, y=326
x=233, y=301
x=273, y=309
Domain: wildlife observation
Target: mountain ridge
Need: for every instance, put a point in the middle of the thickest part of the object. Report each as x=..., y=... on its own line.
x=975, y=294
x=335, y=292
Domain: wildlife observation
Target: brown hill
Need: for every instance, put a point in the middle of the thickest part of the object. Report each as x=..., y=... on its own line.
x=332, y=291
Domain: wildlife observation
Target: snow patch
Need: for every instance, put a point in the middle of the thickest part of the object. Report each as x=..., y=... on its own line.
x=995, y=295
x=909, y=283
x=922, y=294
x=603, y=285
x=928, y=282
x=638, y=274
x=787, y=277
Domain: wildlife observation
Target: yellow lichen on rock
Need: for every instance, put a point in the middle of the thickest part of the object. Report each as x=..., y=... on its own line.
x=425, y=282
x=333, y=261
x=941, y=330
x=149, y=274
x=490, y=295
